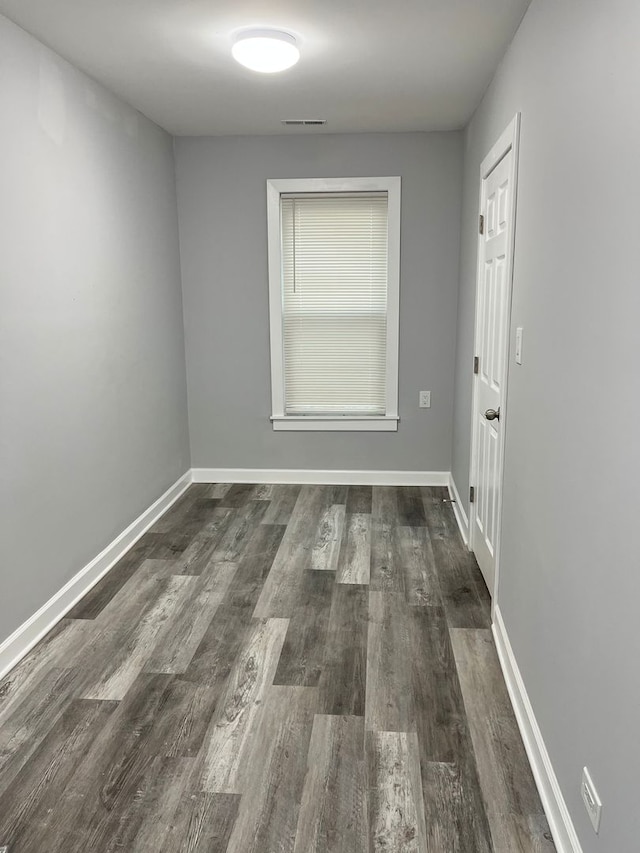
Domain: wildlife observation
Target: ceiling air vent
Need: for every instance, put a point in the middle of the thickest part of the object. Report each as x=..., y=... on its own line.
x=304, y=122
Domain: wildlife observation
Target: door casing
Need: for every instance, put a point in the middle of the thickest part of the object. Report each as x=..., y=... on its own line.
x=509, y=140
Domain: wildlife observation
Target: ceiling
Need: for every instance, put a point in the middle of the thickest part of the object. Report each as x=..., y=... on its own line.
x=366, y=65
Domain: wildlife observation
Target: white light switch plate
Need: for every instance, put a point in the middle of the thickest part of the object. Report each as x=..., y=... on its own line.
x=592, y=801
x=519, y=345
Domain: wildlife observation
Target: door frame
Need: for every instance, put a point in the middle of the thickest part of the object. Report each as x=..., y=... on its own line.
x=508, y=141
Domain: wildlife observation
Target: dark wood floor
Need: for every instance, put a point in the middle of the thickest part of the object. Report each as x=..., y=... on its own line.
x=272, y=669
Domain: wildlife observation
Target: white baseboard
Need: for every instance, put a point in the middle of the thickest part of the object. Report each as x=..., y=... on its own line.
x=24, y=638
x=331, y=478
x=560, y=823
x=459, y=511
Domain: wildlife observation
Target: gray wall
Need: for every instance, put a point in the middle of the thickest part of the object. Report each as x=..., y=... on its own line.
x=223, y=239
x=93, y=423
x=570, y=579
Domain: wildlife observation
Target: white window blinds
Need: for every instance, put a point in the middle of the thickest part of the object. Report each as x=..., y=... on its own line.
x=334, y=310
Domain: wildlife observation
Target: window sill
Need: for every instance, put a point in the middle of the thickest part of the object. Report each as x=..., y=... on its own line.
x=335, y=423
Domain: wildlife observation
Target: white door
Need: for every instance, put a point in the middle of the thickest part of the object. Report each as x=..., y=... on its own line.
x=495, y=256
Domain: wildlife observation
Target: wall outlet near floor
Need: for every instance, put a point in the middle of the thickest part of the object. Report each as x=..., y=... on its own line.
x=425, y=403
x=592, y=801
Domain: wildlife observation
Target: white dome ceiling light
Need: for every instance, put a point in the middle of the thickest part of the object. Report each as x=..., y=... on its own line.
x=266, y=51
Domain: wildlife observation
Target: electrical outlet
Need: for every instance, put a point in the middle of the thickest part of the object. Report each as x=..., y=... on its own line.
x=592, y=801
x=425, y=400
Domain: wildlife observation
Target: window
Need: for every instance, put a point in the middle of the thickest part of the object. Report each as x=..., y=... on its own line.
x=334, y=258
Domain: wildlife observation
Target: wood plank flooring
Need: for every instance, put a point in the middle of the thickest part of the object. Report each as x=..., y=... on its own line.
x=278, y=669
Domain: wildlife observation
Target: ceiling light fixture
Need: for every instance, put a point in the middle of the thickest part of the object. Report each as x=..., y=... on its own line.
x=265, y=50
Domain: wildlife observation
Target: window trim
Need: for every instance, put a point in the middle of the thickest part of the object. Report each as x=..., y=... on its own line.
x=377, y=423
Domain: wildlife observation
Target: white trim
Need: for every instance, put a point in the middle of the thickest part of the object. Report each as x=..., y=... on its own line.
x=338, y=423
x=296, y=186
x=275, y=189
x=311, y=477
x=393, y=187
x=24, y=638
x=509, y=140
x=458, y=511
x=555, y=807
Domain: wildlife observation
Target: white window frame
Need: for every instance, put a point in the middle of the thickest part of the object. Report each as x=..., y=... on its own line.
x=366, y=423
